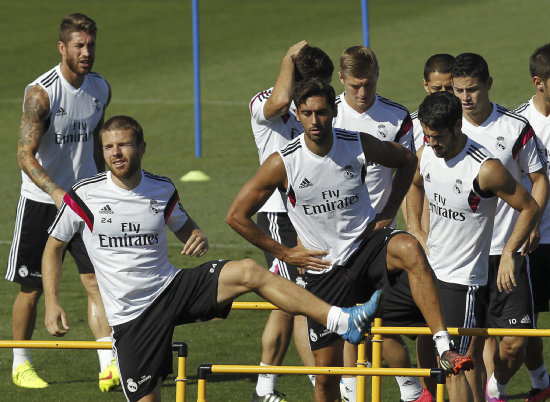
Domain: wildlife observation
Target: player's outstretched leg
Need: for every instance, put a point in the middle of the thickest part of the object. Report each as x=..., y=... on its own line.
x=243, y=276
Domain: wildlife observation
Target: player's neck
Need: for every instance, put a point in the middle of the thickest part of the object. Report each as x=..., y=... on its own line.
x=71, y=77
x=541, y=104
x=460, y=143
x=320, y=148
x=478, y=117
x=127, y=183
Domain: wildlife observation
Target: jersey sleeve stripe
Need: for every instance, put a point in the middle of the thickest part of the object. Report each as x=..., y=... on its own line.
x=262, y=96
x=172, y=202
x=406, y=126
x=74, y=202
x=526, y=134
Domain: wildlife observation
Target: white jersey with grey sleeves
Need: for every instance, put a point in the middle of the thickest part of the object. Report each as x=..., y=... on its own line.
x=328, y=200
x=66, y=150
x=387, y=121
x=541, y=125
x=125, y=235
x=510, y=138
x=461, y=215
x=271, y=136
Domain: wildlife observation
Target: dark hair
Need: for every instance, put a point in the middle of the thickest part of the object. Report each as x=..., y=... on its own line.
x=314, y=87
x=75, y=23
x=539, y=62
x=121, y=122
x=440, y=63
x=471, y=65
x=358, y=61
x=312, y=62
x=440, y=110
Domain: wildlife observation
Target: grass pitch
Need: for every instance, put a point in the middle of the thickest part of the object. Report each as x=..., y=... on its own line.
x=144, y=50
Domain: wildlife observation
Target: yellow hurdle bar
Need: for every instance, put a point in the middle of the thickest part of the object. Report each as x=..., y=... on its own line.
x=253, y=306
x=205, y=369
x=462, y=331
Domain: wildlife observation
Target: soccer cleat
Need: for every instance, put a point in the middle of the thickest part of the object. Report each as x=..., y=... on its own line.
x=360, y=318
x=453, y=362
x=501, y=398
x=538, y=395
x=425, y=396
x=109, y=379
x=276, y=396
x=25, y=376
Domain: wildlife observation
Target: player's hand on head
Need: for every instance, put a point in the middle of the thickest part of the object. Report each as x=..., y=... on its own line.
x=54, y=314
x=196, y=245
x=296, y=48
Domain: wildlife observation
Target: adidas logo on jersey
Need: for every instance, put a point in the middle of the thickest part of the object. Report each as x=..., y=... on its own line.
x=61, y=112
x=305, y=183
x=106, y=210
x=526, y=319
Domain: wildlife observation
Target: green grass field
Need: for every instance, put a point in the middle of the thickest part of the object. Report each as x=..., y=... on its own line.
x=144, y=50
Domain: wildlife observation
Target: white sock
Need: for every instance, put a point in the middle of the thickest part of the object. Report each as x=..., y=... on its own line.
x=312, y=379
x=20, y=355
x=337, y=320
x=350, y=388
x=494, y=389
x=409, y=387
x=539, y=377
x=266, y=383
x=442, y=341
x=105, y=355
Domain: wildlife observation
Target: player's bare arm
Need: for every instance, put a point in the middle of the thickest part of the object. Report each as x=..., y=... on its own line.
x=281, y=97
x=52, y=261
x=98, y=149
x=539, y=192
x=415, y=203
x=391, y=155
x=196, y=243
x=493, y=176
x=270, y=176
x=36, y=110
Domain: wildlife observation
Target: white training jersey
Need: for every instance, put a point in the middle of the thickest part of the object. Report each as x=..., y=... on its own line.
x=541, y=125
x=461, y=215
x=125, y=235
x=328, y=201
x=387, y=121
x=271, y=136
x=510, y=138
x=418, y=132
x=66, y=150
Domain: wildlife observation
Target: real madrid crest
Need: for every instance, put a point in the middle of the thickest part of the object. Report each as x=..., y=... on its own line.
x=501, y=144
x=457, y=187
x=382, y=131
x=153, y=207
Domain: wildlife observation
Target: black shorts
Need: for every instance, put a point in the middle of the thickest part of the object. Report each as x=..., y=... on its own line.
x=539, y=270
x=352, y=283
x=143, y=346
x=514, y=309
x=398, y=306
x=29, y=239
x=463, y=307
x=278, y=226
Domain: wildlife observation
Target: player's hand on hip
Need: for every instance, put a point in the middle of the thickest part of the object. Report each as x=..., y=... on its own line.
x=196, y=245
x=302, y=257
x=506, y=280
x=53, y=315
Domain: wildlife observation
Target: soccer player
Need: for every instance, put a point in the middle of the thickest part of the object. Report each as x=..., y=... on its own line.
x=274, y=124
x=62, y=113
x=347, y=249
x=360, y=108
x=122, y=217
x=462, y=182
x=537, y=111
x=510, y=138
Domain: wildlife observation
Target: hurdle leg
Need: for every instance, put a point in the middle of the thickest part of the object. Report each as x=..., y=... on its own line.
x=181, y=379
x=376, y=381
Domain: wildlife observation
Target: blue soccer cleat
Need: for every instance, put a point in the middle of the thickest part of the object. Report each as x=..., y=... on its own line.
x=360, y=318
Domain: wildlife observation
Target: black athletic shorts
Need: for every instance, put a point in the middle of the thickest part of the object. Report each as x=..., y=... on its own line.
x=352, y=283
x=143, y=346
x=463, y=306
x=278, y=226
x=29, y=239
x=514, y=309
x=539, y=270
